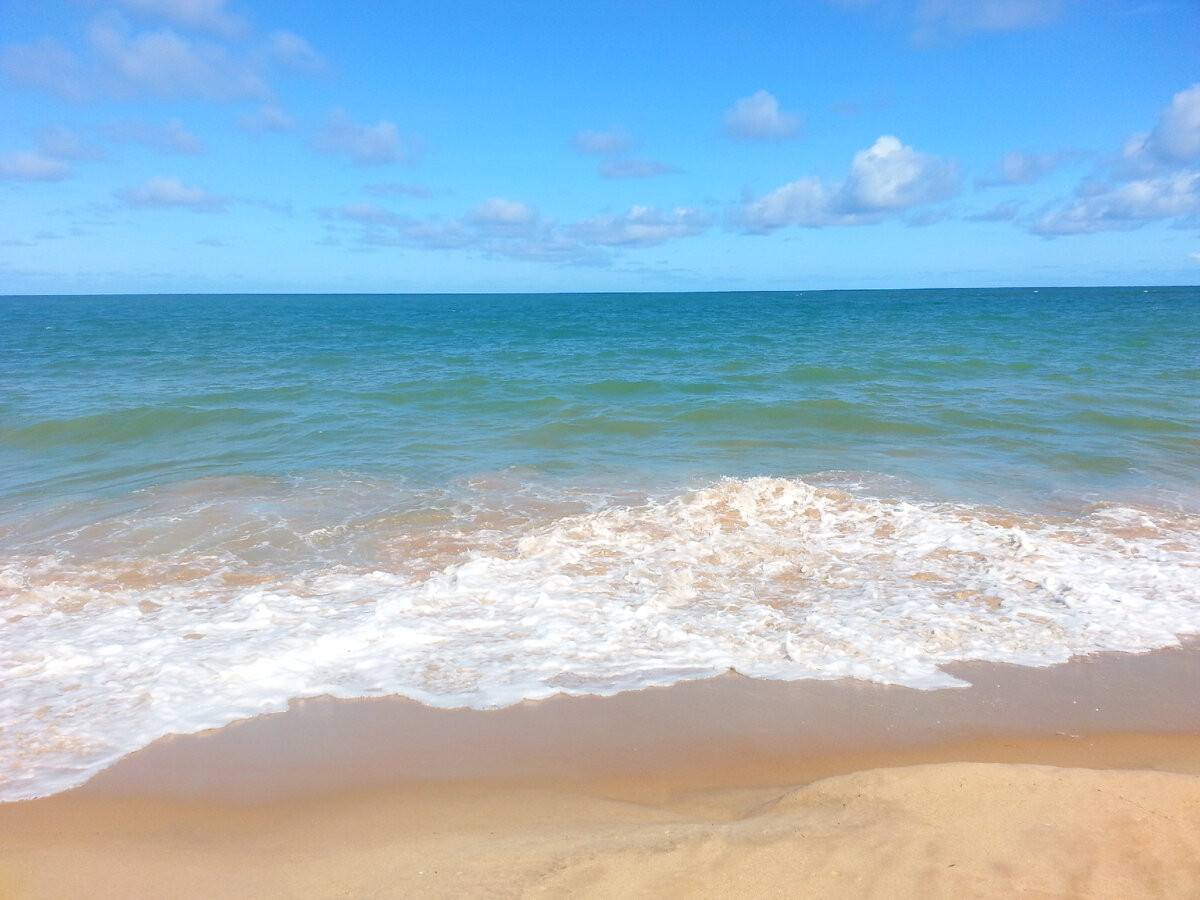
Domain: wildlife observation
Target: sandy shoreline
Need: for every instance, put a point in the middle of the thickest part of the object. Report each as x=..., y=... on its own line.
x=1080, y=780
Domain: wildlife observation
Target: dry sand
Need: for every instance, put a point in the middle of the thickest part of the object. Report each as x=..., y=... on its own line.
x=1076, y=781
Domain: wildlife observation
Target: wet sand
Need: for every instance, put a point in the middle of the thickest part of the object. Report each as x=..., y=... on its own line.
x=1080, y=780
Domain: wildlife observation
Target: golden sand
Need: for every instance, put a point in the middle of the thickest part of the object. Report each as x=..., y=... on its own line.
x=725, y=788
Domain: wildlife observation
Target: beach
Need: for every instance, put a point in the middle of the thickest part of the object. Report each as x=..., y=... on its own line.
x=1080, y=780
x=600, y=450
x=826, y=594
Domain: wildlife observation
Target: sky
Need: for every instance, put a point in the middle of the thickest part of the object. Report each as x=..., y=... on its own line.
x=199, y=146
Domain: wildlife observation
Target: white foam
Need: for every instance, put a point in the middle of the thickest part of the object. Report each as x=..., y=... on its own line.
x=772, y=577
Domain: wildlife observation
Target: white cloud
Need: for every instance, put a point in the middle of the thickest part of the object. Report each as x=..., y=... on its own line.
x=57, y=146
x=1176, y=138
x=46, y=65
x=935, y=17
x=642, y=226
x=498, y=214
x=758, y=117
x=551, y=247
x=602, y=143
x=62, y=143
x=1124, y=206
x=935, y=20
x=117, y=60
x=888, y=177
x=266, y=119
x=892, y=176
x=1155, y=178
x=1021, y=168
x=1003, y=212
x=613, y=144
x=499, y=226
x=294, y=52
x=433, y=234
x=419, y=191
x=628, y=167
x=171, y=136
x=31, y=166
x=164, y=64
x=803, y=202
x=370, y=214
x=168, y=192
x=206, y=15
x=514, y=229
x=366, y=145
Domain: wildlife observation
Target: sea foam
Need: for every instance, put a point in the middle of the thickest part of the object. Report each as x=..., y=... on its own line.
x=109, y=643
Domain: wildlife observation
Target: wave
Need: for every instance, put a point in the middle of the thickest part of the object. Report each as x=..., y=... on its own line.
x=225, y=600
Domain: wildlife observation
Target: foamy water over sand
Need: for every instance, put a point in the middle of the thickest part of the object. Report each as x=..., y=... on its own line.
x=214, y=507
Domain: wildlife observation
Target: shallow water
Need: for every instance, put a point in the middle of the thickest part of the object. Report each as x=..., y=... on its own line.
x=211, y=505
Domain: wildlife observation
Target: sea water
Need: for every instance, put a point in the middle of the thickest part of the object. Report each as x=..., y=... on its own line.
x=211, y=505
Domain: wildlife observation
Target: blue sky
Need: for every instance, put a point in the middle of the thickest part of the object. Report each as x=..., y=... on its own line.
x=508, y=145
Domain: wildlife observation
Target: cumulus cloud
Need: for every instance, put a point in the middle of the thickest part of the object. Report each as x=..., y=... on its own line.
x=1156, y=178
x=496, y=226
x=934, y=18
x=1003, y=212
x=892, y=176
x=57, y=147
x=888, y=177
x=630, y=167
x=758, y=117
x=1124, y=206
x=168, y=192
x=804, y=202
x=1021, y=168
x=642, y=226
x=294, y=52
x=389, y=189
x=603, y=143
x=268, y=118
x=504, y=216
x=162, y=63
x=32, y=166
x=1175, y=139
x=614, y=144
x=514, y=229
x=171, y=136
x=507, y=228
x=63, y=143
x=370, y=214
x=366, y=145
x=115, y=59
x=46, y=65
x=204, y=15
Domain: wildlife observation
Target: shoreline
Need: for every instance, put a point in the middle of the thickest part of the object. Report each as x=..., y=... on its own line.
x=746, y=785
x=724, y=725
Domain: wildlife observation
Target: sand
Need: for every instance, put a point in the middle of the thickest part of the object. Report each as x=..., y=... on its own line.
x=1072, y=781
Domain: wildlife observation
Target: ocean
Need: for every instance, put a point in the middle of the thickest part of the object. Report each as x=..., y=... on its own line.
x=212, y=505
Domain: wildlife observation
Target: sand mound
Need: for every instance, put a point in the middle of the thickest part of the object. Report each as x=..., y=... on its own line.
x=954, y=830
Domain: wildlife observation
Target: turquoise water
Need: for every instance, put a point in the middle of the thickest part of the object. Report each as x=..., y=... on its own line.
x=212, y=504
x=976, y=394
